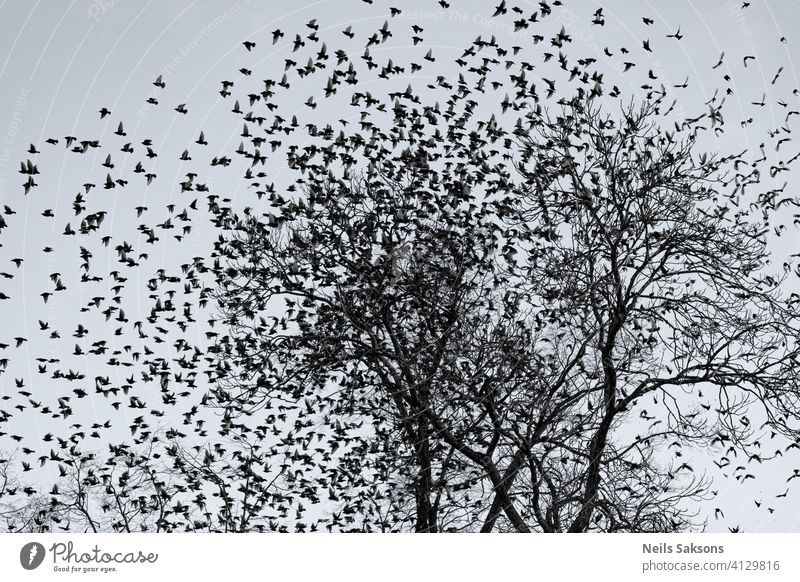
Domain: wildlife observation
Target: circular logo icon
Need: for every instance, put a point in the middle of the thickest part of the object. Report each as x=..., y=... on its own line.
x=31, y=555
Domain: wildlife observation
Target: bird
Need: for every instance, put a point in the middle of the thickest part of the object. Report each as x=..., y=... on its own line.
x=676, y=35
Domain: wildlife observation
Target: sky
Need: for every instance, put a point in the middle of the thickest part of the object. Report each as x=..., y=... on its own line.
x=62, y=62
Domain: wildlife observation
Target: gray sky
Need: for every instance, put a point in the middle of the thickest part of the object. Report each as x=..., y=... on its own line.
x=61, y=62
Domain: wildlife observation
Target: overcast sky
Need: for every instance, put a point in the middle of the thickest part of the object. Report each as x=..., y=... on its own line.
x=60, y=62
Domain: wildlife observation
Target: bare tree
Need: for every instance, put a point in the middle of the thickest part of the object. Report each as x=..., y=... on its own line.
x=654, y=276
x=387, y=296
x=161, y=486
x=500, y=343
x=22, y=509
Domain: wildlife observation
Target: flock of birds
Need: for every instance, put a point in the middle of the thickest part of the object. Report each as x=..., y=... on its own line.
x=154, y=369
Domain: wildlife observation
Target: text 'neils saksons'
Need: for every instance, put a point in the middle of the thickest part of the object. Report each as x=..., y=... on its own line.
x=663, y=548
